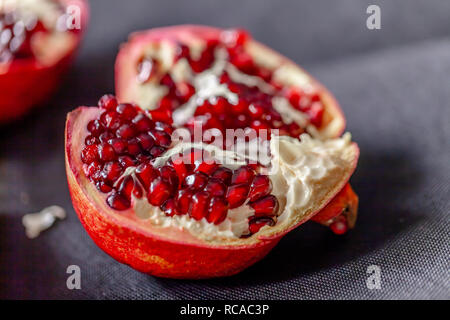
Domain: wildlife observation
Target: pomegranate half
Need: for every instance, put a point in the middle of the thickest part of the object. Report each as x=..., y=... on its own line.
x=154, y=195
x=127, y=223
x=39, y=40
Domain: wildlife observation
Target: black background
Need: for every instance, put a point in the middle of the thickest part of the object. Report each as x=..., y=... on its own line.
x=393, y=85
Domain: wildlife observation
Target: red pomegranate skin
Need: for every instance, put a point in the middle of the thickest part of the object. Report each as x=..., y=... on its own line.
x=27, y=84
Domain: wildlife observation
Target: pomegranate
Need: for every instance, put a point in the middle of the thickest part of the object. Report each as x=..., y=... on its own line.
x=38, y=40
x=168, y=182
x=192, y=210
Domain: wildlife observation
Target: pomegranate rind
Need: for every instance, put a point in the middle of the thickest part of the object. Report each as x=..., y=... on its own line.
x=27, y=83
x=169, y=251
x=131, y=52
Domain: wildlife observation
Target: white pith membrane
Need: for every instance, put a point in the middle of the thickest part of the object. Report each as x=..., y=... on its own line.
x=305, y=175
x=47, y=47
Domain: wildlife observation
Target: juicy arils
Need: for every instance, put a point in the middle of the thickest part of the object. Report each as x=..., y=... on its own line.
x=18, y=27
x=254, y=107
x=190, y=183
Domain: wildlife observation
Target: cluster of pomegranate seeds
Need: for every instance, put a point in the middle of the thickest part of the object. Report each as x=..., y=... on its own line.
x=123, y=136
x=191, y=183
x=15, y=35
x=254, y=108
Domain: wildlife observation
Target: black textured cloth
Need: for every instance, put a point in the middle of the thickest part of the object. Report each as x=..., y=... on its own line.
x=393, y=85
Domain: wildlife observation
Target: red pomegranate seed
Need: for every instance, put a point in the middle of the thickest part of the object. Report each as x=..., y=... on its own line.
x=241, y=121
x=95, y=127
x=295, y=130
x=91, y=140
x=159, y=191
x=182, y=51
x=126, y=187
x=105, y=136
x=224, y=174
x=200, y=205
x=339, y=226
x=315, y=114
x=217, y=211
x=195, y=180
x=242, y=61
x=294, y=95
x=256, y=224
x=93, y=168
x=108, y=102
x=170, y=175
x=184, y=91
x=143, y=158
x=103, y=187
x=255, y=110
x=166, y=103
x=142, y=123
x=134, y=147
x=119, y=145
x=241, y=107
x=244, y=174
x=162, y=126
x=169, y=207
x=89, y=153
x=127, y=111
x=161, y=138
x=111, y=171
x=146, y=141
x=261, y=186
x=110, y=120
x=216, y=188
x=183, y=200
x=265, y=206
x=126, y=161
x=206, y=167
x=163, y=115
x=145, y=174
x=181, y=168
x=156, y=151
x=106, y=152
x=126, y=131
x=117, y=202
x=167, y=81
x=234, y=37
x=259, y=125
x=219, y=107
x=237, y=194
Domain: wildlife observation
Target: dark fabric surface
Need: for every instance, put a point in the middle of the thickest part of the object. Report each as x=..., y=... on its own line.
x=393, y=85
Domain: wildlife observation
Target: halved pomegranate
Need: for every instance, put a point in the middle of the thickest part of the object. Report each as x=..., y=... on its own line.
x=189, y=209
x=38, y=40
x=224, y=79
